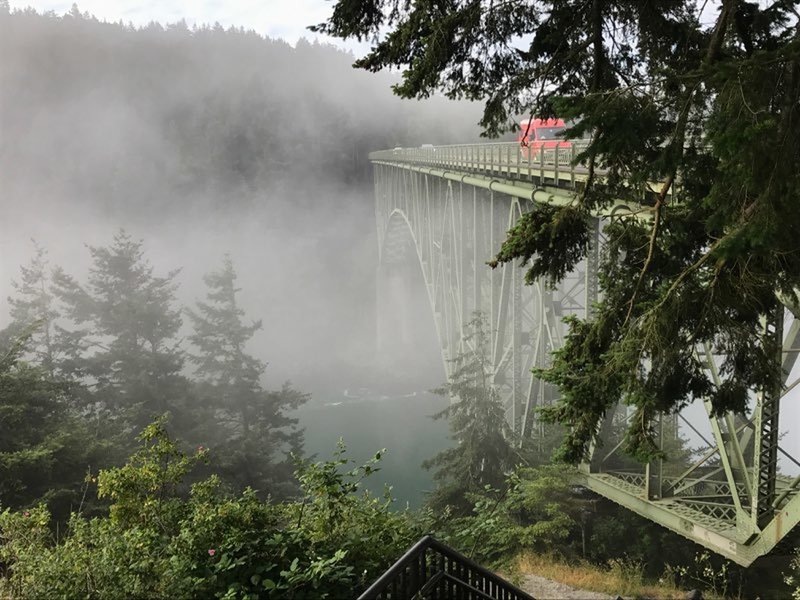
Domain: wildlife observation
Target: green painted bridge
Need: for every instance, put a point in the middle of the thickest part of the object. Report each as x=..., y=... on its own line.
x=448, y=208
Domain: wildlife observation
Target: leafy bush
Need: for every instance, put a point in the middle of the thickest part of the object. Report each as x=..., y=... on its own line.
x=162, y=540
x=536, y=510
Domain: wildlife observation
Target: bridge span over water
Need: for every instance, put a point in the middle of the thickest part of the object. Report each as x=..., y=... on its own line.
x=448, y=208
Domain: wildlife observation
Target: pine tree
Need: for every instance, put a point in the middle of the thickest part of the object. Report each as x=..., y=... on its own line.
x=124, y=342
x=33, y=308
x=45, y=451
x=256, y=432
x=35, y=318
x=484, y=450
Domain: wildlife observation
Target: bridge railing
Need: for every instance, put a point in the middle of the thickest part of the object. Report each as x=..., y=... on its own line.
x=556, y=165
x=555, y=162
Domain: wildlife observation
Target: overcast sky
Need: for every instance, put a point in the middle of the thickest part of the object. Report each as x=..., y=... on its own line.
x=286, y=19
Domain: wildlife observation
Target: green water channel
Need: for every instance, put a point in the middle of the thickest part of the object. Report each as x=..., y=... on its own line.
x=369, y=422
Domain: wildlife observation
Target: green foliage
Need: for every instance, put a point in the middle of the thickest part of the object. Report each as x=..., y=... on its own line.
x=160, y=541
x=444, y=47
x=611, y=532
x=335, y=514
x=693, y=119
x=32, y=311
x=252, y=426
x=546, y=231
x=124, y=334
x=792, y=577
x=483, y=451
x=107, y=357
x=536, y=509
x=718, y=576
x=44, y=450
x=145, y=488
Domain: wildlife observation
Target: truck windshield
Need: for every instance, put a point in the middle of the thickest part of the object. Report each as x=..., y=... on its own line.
x=550, y=133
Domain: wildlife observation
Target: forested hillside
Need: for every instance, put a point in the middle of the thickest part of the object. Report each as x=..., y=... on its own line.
x=164, y=118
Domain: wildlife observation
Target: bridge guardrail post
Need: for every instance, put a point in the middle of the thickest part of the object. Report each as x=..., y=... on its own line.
x=541, y=166
x=556, y=163
x=572, y=165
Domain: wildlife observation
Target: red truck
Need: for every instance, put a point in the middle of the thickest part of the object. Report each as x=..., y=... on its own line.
x=541, y=133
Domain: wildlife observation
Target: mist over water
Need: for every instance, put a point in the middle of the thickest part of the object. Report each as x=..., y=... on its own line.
x=208, y=142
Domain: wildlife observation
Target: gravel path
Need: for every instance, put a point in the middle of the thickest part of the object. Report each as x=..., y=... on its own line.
x=542, y=588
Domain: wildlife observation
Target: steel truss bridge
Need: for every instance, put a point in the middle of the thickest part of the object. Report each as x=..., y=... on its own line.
x=449, y=208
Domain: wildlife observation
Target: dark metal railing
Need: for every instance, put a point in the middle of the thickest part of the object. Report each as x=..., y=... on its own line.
x=431, y=570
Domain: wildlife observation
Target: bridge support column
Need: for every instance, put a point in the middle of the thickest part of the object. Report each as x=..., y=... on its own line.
x=765, y=458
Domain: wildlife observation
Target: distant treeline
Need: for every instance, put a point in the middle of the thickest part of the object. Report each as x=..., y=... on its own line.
x=139, y=118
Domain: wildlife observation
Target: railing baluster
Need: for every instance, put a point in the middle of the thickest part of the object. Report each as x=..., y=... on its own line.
x=442, y=587
x=541, y=165
x=416, y=577
x=449, y=570
x=572, y=165
x=424, y=559
x=557, y=161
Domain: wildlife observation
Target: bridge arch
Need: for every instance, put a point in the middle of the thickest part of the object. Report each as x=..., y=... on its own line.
x=453, y=229
x=398, y=252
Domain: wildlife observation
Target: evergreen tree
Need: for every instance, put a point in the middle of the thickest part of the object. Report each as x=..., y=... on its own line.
x=45, y=451
x=35, y=319
x=484, y=451
x=33, y=309
x=124, y=340
x=256, y=432
x=707, y=108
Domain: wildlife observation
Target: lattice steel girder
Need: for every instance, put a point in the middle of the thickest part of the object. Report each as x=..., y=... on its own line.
x=520, y=189
x=730, y=543
x=765, y=446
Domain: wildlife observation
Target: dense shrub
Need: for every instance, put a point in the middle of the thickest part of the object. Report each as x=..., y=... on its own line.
x=162, y=540
x=535, y=510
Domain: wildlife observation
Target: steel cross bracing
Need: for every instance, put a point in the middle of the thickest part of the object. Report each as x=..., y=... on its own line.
x=449, y=208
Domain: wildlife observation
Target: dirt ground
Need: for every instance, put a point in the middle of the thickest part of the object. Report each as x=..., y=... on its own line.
x=547, y=589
